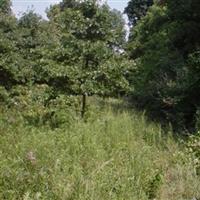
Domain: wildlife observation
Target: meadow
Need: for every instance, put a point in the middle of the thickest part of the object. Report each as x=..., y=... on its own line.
x=95, y=107
x=114, y=153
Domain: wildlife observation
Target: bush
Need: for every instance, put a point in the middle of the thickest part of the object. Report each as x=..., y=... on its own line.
x=39, y=107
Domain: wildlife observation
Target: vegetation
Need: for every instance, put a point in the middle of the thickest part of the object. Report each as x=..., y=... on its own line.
x=85, y=114
x=116, y=154
x=165, y=46
x=137, y=9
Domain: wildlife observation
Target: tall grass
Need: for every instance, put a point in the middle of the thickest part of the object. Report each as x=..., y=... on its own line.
x=110, y=155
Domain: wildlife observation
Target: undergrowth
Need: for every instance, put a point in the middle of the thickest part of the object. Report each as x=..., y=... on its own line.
x=112, y=154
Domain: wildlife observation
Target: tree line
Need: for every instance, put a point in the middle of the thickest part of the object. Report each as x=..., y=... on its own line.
x=76, y=51
x=165, y=44
x=82, y=50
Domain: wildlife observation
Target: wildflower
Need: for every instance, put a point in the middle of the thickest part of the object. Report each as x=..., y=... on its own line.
x=31, y=157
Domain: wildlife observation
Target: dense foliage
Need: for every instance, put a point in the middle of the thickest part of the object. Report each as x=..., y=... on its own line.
x=165, y=45
x=62, y=137
x=136, y=9
x=78, y=51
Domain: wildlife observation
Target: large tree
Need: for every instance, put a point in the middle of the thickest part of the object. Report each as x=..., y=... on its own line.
x=91, y=36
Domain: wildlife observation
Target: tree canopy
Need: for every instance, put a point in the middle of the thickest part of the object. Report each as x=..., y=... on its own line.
x=136, y=9
x=77, y=51
x=82, y=50
x=165, y=44
x=5, y=7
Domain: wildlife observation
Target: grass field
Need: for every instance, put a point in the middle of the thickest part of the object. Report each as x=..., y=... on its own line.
x=114, y=154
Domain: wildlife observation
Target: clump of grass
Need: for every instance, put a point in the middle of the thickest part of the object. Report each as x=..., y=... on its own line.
x=117, y=155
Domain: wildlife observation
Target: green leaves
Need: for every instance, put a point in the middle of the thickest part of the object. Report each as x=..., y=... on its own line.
x=75, y=52
x=5, y=7
x=137, y=9
x=165, y=46
x=89, y=36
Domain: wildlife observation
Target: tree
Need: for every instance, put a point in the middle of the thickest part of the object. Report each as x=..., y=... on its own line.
x=91, y=35
x=32, y=38
x=5, y=7
x=9, y=57
x=165, y=45
x=37, y=43
x=136, y=9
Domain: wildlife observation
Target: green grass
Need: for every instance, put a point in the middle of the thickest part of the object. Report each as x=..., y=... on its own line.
x=114, y=155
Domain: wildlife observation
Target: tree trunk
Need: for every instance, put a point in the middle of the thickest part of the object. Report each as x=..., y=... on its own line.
x=83, y=105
